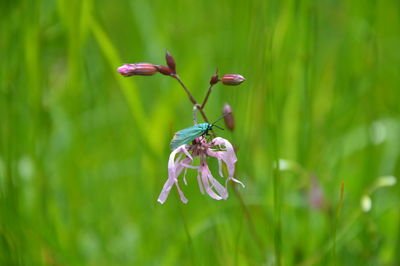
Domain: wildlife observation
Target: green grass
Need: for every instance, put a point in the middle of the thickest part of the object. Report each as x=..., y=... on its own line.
x=84, y=151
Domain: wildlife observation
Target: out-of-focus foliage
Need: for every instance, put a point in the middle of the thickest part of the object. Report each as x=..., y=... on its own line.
x=83, y=150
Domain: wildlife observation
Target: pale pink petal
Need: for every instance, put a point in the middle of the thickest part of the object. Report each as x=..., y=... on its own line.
x=172, y=163
x=184, y=177
x=220, y=189
x=174, y=170
x=183, y=199
x=228, y=156
x=182, y=165
x=186, y=152
x=178, y=158
x=212, y=153
x=200, y=185
x=234, y=180
x=237, y=181
x=165, y=191
x=220, y=167
x=207, y=178
x=206, y=184
x=167, y=188
x=190, y=166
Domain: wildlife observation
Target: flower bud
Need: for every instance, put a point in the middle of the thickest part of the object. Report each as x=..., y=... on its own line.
x=164, y=70
x=140, y=69
x=214, y=79
x=228, y=117
x=170, y=62
x=232, y=79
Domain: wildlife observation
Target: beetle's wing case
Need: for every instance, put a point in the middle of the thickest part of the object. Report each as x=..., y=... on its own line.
x=188, y=134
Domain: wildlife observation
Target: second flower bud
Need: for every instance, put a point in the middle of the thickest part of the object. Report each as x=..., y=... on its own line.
x=232, y=79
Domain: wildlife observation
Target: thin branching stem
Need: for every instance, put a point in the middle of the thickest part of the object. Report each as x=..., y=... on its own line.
x=186, y=89
x=242, y=203
x=191, y=98
x=206, y=98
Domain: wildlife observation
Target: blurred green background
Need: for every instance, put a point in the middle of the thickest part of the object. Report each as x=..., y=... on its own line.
x=84, y=151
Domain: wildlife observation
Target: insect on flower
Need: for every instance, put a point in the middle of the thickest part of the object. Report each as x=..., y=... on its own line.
x=218, y=148
x=191, y=133
x=199, y=146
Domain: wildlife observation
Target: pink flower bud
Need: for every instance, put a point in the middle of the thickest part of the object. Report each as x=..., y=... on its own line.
x=170, y=62
x=140, y=69
x=164, y=70
x=228, y=117
x=214, y=79
x=232, y=79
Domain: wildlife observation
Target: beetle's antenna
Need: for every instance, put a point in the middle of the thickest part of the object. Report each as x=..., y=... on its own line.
x=220, y=119
x=218, y=127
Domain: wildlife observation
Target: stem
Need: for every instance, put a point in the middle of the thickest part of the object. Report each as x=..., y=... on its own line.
x=242, y=203
x=204, y=115
x=206, y=98
x=186, y=89
x=191, y=98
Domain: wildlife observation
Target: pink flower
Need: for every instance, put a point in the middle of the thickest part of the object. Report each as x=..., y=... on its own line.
x=219, y=148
